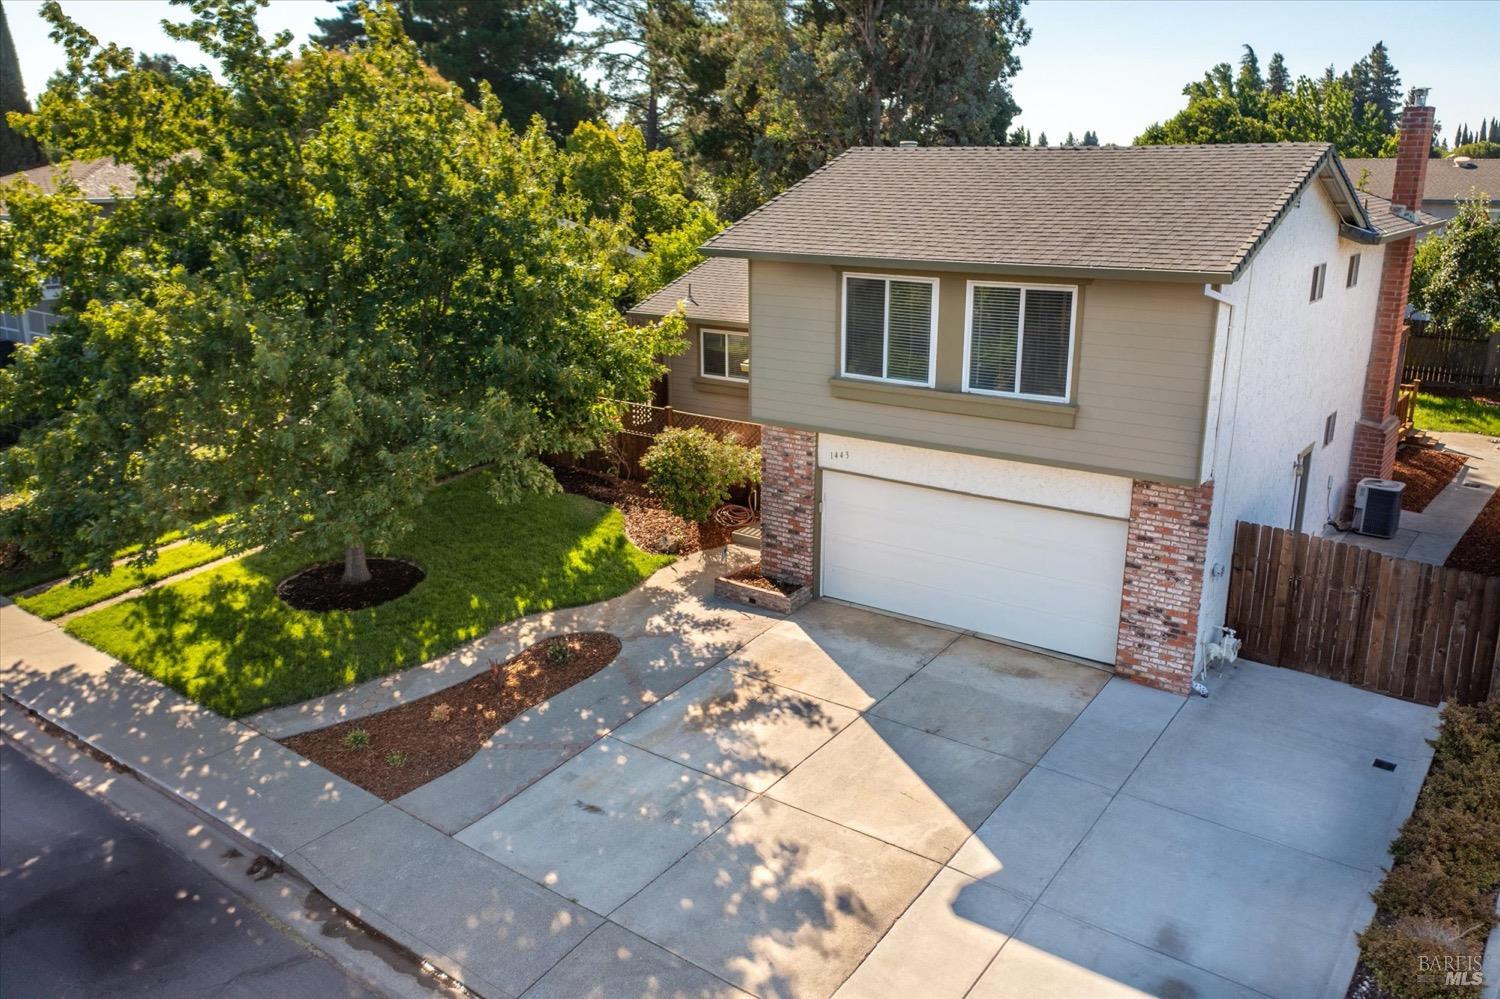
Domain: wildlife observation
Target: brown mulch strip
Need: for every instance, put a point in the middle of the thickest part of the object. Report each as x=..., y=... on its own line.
x=320, y=587
x=750, y=576
x=650, y=527
x=1425, y=471
x=1479, y=549
x=441, y=731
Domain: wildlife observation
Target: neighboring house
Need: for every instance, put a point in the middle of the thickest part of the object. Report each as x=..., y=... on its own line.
x=101, y=181
x=1450, y=182
x=712, y=376
x=1028, y=392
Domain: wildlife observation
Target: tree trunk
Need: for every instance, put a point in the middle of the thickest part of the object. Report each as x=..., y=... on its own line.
x=356, y=570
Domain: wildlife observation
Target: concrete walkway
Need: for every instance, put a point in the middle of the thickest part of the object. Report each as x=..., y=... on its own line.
x=1430, y=536
x=837, y=802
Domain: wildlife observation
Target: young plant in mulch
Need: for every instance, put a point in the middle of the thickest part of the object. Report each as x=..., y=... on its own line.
x=1437, y=904
x=428, y=737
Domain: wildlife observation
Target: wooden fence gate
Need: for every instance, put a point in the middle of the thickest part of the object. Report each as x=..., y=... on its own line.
x=1411, y=630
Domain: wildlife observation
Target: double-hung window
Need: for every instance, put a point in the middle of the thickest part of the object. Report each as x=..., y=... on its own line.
x=725, y=355
x=890, y=328
x=1018, y=340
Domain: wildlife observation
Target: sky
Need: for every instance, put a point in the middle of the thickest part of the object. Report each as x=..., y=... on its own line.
x=1109, y=67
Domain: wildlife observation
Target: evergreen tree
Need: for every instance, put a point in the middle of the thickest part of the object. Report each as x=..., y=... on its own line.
x=1070, y=140
x=1250, y=80
x=1484, y=133
x=1278, y=80
x=520, y=48
x=1041, y=140
x=1090, y=138
x=17, y=151
x=1019, y=137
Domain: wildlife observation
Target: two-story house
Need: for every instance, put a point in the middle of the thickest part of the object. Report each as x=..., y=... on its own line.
x=1028, y=392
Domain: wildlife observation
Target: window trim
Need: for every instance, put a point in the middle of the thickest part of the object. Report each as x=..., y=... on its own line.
x=1319, y=282
x=885, y=354
x=1351, y=279
x=1330, y=428
x=1067, y=396
x=703, y=373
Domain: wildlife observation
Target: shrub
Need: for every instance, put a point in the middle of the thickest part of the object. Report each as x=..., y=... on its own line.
x=691, y=471
x=559, y=653
x=356, y=739
x=1439, y=898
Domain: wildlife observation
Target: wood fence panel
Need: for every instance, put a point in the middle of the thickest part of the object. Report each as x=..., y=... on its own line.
x=1420, y=632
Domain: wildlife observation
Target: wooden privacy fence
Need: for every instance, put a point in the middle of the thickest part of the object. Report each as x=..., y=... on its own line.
x=1408, y=629
x=639, y=426
x=1450, y=360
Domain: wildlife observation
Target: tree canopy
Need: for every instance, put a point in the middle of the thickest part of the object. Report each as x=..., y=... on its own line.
x=521, y=48
x=17, y=151
x=1356, y=111
x=337, y=281
x=1456, y=276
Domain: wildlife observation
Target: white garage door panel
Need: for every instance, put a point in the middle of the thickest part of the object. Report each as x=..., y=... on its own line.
x=1042, y=577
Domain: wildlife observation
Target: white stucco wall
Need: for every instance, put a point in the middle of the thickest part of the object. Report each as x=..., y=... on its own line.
x=1285, y=364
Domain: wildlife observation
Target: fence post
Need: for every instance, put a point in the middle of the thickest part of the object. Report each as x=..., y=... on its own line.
x=1492, y=361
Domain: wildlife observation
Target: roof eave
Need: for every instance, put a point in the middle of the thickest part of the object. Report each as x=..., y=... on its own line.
x=1374, y=237
x=971, y=267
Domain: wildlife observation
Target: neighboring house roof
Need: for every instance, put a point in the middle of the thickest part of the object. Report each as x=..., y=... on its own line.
x=1198, y=212
x=99, y=179
x=1446, y=181
x=717, y=290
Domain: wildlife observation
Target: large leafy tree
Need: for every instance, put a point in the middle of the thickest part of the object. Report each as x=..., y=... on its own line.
x=1356, y=111
x=811, y=78
x=520, y=48
x=337, y=281
x=1457, y=273
x=645, y=193
x=17, y=151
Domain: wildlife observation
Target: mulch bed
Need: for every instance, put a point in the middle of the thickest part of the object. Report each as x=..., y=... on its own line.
x=650, y=527
x=750, y=576
x=320, y=587
x=1479, y=549
x=405, y=747
x=1425, y=471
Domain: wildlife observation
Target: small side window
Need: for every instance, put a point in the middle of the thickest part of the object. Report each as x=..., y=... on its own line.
x=1330, y=425
x=1320, y=272
x=1353, y=278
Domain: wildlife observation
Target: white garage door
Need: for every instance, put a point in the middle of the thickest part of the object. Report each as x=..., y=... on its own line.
x=1030, y=574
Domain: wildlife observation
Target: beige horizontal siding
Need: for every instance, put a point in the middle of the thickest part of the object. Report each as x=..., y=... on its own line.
x=686, y=395
x=1140, y=379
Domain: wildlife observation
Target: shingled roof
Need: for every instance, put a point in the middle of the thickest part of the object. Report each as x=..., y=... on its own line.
x=716, y=291
x=100, y=179
x=1446, y=180
x=1185, y=211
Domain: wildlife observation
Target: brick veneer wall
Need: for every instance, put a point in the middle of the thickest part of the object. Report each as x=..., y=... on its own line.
x=1165, y=551
x=789, y=464
x=1377, y=431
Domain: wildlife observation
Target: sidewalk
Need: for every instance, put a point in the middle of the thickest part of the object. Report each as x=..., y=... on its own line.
x=467, y=914
x=1430, y=536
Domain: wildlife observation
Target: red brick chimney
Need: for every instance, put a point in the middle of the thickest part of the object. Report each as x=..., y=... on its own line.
x=1377, y=430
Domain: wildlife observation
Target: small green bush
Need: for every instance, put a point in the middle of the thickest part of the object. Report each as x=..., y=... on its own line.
x=559, y=653
x=356, y=739
x=1439, y=898
x=691, y=471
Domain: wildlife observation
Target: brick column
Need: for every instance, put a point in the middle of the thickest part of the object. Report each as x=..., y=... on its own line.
x=789, y=462
x=1377, y=430
x=1165, y=552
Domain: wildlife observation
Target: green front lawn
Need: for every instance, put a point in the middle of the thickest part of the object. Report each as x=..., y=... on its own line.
x=1443, y=413
x=67, y=597
x=226, y=640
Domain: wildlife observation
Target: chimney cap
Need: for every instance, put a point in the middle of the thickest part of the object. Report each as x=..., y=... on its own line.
x=1419, y=96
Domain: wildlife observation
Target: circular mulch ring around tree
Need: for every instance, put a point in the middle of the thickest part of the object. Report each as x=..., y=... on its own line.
x=320, y=587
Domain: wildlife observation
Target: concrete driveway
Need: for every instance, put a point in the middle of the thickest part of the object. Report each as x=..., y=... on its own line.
x=857, y=805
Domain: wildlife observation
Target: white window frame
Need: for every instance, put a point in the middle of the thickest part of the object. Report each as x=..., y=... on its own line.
x=885, y=354
x=702, y=355
x=1351, y=276
x=1067, y=396
x=1319, y=281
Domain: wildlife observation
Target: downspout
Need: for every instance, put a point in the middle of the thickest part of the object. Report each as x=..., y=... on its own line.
x=1227, y=304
